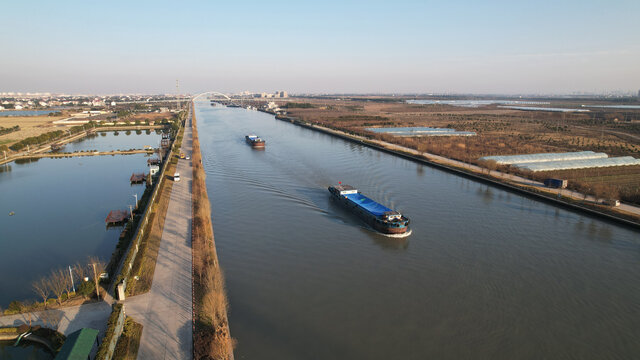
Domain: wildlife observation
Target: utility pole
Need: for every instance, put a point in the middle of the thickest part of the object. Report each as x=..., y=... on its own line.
x=177, y=95
x=95, y=277
x=71, y=273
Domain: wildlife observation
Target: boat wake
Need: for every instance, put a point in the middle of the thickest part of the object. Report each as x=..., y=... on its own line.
x=398, y=236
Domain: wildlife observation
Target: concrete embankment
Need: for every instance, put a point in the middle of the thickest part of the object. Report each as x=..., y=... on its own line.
x=467, y=171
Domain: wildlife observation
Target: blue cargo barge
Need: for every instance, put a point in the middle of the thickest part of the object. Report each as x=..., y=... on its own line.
x=375, y=214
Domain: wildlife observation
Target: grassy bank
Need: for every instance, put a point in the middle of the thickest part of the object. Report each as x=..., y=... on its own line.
x=129, y=342
x=211, y=338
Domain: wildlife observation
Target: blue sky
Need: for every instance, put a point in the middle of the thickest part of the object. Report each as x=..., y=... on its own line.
x=314, y=47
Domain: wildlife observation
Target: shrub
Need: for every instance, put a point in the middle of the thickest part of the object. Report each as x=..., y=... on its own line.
x=14, y=307
x=87, y=288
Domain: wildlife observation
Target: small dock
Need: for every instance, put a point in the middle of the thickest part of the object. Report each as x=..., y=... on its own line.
x=154, y=161
x=117, y=217
x=138, y=178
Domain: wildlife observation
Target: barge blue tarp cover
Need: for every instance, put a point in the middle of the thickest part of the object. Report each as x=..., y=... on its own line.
x=368, y=204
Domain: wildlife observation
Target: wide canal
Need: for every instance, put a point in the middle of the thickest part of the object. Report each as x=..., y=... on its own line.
x=485, y=274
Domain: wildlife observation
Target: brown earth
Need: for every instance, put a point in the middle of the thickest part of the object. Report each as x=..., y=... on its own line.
x=499, y=132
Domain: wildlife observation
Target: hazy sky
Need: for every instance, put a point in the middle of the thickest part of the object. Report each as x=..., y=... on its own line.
x=323, y=46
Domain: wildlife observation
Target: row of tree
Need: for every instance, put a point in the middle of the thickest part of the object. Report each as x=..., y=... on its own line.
x=49, y=136
x=5, y=131
x=59, y=281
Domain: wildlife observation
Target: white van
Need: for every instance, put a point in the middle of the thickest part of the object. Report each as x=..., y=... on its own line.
x=611, y=202
x=176, y=177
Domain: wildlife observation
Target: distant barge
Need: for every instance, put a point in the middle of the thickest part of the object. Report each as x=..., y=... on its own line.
x=377, y=215
x=255, y=141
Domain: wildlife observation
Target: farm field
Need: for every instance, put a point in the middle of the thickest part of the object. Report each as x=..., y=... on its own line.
x=29, y=126
x=500, y=131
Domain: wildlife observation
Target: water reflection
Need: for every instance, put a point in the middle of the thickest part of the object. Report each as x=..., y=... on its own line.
x=26, y=161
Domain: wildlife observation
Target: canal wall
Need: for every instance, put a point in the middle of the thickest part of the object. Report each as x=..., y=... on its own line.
x=561, y=202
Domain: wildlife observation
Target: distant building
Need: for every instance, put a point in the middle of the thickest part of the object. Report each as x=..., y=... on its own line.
x=639, y=93
x=271, y=105
x=18, y=107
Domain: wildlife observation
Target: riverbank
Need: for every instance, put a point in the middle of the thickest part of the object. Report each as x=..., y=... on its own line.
x=565, y=198
x=211, y=337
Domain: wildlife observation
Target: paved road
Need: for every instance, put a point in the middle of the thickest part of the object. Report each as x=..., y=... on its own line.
x=66, y=320
x=166, y=311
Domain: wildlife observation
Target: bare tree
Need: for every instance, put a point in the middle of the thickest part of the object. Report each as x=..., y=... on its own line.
x=41, y=288
x=81, y=271
x=98, y=268
x=58, y=283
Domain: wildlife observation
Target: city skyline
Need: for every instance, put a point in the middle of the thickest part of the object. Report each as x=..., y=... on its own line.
x=357, y=47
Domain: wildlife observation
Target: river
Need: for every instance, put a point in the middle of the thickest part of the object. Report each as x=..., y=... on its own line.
x=485, y=274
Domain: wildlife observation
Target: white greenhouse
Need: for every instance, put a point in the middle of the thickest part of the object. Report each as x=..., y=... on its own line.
x=578, y=164
x=544, y=157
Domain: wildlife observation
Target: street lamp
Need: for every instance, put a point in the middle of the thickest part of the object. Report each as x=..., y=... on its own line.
x=136, y=195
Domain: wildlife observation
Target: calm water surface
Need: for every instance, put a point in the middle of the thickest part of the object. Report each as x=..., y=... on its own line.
x=8, y=113
x=60, y=206
x=116, y=140
x=25, y=351
x=485, y=274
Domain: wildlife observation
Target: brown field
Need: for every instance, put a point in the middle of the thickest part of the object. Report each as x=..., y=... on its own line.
x=613, y=182
x=211, y=339
x=150, y=116
x=29, y=126
x=36, y=125
x=499, y=132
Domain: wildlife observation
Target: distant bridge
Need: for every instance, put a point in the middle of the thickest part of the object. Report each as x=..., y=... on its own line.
x=215, y=93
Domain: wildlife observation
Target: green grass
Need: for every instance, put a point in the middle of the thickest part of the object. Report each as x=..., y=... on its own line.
x=129, y=342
